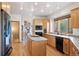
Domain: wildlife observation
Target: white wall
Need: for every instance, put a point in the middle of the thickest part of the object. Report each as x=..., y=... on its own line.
x=22, y=19
x=28, y=19
x=51, y=25
x=16, y=17
x=64, y=11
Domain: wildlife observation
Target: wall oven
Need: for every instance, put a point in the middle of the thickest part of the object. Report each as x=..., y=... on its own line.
x=38, y=30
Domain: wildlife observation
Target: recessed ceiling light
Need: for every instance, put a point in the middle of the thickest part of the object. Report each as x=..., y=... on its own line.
x=35, y=3
x=48, y=5
x=21, y=8
x=32, y=9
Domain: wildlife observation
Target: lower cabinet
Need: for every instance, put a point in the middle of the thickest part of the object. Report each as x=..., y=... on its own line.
x=29, y=45
x=66, y=46
x=39, y=48
x=73, y=50
x=69, y=48
x=51, y=40
x=36, y=48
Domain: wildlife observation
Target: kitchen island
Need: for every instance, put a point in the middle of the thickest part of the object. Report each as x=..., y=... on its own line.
x=37, y=46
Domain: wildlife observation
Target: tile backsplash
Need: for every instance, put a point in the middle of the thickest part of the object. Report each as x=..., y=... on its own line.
x=76, y=31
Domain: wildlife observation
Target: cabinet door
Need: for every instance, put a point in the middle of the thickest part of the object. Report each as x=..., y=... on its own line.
x=75, y=18
x=51, y=40
x=66, y=46
x=73, y=50
x=29, y=45
x=39, y=48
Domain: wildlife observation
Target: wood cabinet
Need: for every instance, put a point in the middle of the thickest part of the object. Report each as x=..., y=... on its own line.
x=75, y=18
x=37, y=48
x=29, y=45
x=43, y=22
x=66, y=46
x=51, y=40
x=73, y=50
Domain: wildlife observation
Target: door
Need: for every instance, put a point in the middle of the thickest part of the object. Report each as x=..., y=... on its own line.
x=15, y=31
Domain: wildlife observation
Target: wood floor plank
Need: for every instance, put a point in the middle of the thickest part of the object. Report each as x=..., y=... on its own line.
x=20, y=49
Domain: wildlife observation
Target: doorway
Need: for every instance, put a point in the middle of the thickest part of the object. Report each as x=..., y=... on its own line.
x=15, y=31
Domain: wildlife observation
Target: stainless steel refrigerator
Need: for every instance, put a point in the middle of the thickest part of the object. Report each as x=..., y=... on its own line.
x=5, y=33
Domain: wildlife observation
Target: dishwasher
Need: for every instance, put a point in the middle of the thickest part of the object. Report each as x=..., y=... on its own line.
x=59, y=44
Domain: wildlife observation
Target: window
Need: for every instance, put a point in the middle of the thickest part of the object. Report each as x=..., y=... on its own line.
x=63, y=25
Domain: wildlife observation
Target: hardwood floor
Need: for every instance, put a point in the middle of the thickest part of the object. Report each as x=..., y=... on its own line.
x=20, y=49
x=51, y=51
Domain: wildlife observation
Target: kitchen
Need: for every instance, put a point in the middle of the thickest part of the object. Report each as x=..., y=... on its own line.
x=65, y=37
x=48, y=29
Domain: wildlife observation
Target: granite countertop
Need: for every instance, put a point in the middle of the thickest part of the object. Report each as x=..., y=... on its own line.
x=74, y=39
x=38, y=39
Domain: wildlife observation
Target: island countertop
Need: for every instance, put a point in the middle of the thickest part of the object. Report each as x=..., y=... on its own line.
x=74, y=39
x=38, y=39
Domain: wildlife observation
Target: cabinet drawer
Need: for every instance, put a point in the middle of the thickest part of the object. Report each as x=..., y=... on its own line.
x=51, y=40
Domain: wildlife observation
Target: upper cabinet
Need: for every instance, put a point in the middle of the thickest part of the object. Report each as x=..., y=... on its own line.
x=75, y=18
x=43, y=22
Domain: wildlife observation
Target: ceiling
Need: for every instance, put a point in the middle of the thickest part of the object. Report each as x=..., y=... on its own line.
x=37, y=9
